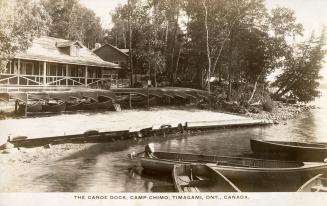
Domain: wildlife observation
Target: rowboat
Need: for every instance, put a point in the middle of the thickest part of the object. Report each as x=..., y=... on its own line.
x=295, y=150
x=316, y=184
x=54, y=107
x=200, y=178
x=242, y=170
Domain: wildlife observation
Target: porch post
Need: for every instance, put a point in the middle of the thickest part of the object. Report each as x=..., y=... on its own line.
x=18, y=72
x=67, y=75
x=86, y=74
x=44, y=73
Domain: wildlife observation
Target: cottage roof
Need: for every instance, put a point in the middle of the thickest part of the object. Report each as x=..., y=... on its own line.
x=48, y=49
x=122, y=51
x=68, y=43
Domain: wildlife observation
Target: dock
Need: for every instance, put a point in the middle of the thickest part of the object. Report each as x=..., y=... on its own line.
x=94, y=136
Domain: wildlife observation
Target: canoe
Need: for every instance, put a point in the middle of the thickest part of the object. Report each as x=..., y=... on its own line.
x=54, y=107
x=33, y=107
x=90, y=105
x=144, y=102
x=242, y=170
x=295, y=150
x=106, y=105
x=200, y=178
x=74, y=106
x=316, y=184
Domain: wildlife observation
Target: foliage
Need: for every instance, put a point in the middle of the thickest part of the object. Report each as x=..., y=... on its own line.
x=71, y=20
x=20, y=22
x=301, y=72
x=267, y=104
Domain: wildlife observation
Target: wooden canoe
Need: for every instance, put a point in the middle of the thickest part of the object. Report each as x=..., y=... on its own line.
x=316, y=184
x=33, y=107
x=90, y=105
x=295, y=150
x=74, y=106
x=239, y=169
x=200, y=178
x=54, y=107
x=105, y=105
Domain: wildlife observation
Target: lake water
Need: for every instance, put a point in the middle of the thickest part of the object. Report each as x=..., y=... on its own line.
x=106, y=168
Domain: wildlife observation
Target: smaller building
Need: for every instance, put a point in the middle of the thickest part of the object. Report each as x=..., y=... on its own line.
x=110, y=53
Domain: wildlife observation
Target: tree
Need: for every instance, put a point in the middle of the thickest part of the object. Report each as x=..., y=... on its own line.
x=20, y=22
x=71, y=20
x=301, y=72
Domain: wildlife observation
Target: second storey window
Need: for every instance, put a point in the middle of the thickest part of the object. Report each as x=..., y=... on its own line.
x=74, y=51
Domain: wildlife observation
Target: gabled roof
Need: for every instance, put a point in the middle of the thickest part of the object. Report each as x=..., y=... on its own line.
x=109, y=45
x=124, y=50
x=46, y=49
x=68, y=43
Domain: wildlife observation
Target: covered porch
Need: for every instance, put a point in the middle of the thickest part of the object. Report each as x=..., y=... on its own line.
x=33, y=73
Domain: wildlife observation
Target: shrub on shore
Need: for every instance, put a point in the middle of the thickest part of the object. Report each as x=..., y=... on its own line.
x=267, y=104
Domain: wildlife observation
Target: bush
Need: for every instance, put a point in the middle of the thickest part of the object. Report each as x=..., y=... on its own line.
x=267, y=104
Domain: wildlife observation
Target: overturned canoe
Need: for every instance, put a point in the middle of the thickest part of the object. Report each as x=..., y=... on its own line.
x=32, y=107
x=200, y=178
x=105, y=105
x=54, y=107
x=74, y=106
x=295, y=150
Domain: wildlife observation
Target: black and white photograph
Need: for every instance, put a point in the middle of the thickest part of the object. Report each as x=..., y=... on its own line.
x=169, y=101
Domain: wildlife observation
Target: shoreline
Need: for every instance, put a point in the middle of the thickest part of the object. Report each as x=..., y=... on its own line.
x=282, y=112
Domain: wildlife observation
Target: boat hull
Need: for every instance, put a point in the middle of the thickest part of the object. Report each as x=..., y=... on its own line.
x=316, y=184
x=74, y=106
x=106, y=105
x=245, y=177
x=54, y=108
x=302, y=151
x=35, y=107
x=89, y=106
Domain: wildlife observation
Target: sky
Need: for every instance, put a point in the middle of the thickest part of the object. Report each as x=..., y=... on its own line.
x=311, y=13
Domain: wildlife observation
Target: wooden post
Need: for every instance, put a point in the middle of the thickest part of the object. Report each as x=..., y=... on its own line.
x=86, y=74
x=67, y=75
x=25, y=111
x=18, y=72
x=44, y=73
x=16, y=106
x=130, y=101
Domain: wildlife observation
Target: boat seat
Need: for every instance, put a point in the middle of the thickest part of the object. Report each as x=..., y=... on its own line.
x=200, y=177
x=185, y=180
x=318, y=189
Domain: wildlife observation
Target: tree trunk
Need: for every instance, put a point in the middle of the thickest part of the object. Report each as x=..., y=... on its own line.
x=207, y=42
x=177, y=62
x=124, y=37
x=130, y=43
x=229, y=94
x=254, y=88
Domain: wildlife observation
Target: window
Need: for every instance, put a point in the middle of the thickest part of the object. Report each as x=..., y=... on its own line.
x=74, y=50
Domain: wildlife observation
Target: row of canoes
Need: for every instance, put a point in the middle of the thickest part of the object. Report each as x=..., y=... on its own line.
x=56, y=106
x=208, y=173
